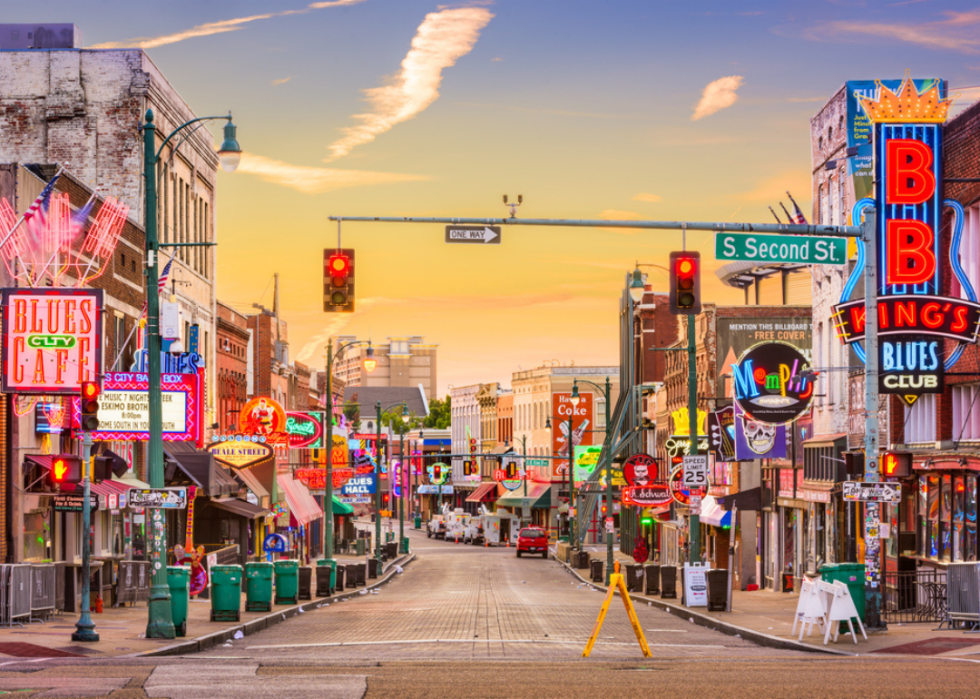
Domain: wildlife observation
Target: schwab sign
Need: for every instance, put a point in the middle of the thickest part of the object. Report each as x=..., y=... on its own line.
x=915, y=320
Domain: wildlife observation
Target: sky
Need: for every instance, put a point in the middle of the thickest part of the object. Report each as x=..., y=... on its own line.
x=590, y=109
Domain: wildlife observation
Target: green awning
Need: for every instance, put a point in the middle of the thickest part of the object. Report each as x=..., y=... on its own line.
x=341, y=508
x=538, y=496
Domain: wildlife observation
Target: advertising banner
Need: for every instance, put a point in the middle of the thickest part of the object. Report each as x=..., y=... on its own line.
x=304, y=429
x=721, y=433
x=772, y=383
x=737, y=335
x=583, y=421
x=586, y=460
x=758, y=440
x=52, y=340
x=124, y=408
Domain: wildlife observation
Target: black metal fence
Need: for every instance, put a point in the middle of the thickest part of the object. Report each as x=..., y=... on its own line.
x=915, y=596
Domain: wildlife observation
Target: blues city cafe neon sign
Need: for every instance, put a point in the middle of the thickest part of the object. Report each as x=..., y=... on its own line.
x=771, y=383
x=915, y=320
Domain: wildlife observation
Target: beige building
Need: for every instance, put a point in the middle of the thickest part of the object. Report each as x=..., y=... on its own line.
x=404, y=362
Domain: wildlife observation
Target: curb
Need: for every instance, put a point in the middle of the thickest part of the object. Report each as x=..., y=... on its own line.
x=757, y=637
x=202, y=643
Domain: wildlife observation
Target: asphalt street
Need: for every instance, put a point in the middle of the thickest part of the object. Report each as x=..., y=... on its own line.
x=466, y=621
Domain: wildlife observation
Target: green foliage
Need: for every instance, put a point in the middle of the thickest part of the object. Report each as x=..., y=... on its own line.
x=440, y=414
x=393, y=417
x=352, y=411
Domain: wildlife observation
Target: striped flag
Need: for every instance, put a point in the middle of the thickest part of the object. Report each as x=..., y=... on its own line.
x=165, y=274
x=798, y=216
x=36, y=214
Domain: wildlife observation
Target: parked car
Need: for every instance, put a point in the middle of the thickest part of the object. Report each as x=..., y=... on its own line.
x=436, y=527
x=532, y=540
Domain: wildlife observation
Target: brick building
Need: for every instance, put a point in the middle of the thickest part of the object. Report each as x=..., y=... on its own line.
x=505, y=418
x=234, y=346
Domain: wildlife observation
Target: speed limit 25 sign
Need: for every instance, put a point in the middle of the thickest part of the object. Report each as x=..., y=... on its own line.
x=695, y=473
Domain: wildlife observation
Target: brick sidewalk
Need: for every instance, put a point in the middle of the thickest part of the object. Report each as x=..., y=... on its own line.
x=121, y=630
x=771, y=614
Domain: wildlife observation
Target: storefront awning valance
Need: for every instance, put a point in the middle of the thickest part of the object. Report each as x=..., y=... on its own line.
x=199, y=468
x=304, y=508
x=487, y=492
x=45, y=461
x=249, y=480
x=239, y=507
x=341, y=508
x=750, y=499
x=538, y=496
x=712, y=514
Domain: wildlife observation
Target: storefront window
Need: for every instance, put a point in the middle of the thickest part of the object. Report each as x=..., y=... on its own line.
x=959, y=501
x=921, y=544
x=932, y=550
x=945, y=519
x=35, y=536
x=970, y=518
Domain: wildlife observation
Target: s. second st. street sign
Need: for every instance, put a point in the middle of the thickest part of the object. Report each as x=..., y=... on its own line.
x=473, y=234
x=808, y=250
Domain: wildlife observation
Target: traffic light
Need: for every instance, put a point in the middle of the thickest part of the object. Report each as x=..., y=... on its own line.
x=436, y=472
x=472, y=445
x=101, y=468
x=685, y=283
x=89, y=421
x=895, y=465
x=65, y=468
x=338, y=281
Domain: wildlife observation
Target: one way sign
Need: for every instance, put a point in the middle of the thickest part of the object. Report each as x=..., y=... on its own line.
x=473, y=234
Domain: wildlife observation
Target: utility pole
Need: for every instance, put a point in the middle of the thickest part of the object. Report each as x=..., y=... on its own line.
x=872, y=558
x=694, y=555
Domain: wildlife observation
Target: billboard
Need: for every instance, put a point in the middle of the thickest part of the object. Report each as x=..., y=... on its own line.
x=737, y=335
x=124, y=408
x=52, y=340
x=583, y=422
x=586, y=460
x=758, y=440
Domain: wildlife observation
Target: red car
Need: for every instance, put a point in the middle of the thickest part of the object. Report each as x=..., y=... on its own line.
x=532, y=540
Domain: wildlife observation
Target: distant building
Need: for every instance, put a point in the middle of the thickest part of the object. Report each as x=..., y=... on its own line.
x=402, y=362
x=233, y=350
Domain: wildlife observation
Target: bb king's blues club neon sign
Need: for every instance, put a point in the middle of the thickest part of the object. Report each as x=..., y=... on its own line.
x=914, y=319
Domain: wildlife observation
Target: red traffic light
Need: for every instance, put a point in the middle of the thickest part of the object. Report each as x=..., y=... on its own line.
x=338, y=280
x=686, y=266
x=685, y=282
x=90, y=389
x=66, y=468
x=338, y=265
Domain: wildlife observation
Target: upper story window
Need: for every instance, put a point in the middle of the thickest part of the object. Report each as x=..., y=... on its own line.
x=920, y=420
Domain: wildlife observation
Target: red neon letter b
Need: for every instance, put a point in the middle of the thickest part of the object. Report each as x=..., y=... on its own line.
x=910, y=259
x=909, y=178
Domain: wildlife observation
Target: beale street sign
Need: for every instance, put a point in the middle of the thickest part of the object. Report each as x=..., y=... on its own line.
x=809, y=250
x=473, y=234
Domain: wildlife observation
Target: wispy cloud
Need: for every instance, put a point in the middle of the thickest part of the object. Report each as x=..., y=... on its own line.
x=806, y=99
x=211, y=28
x=443, y=38
x=281, y=81
x=646, y=196
x=957, y=32
x=717, y=95
x=316, y=180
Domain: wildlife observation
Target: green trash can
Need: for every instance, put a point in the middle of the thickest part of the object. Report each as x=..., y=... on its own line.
x=226, y=593
x=287, y=581
x=326, y=577
x=178, y=578
x=418, y=521
x=361, y=547
x=852, y=575
x=258, y=586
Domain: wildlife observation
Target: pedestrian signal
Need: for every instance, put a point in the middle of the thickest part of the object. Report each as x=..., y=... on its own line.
x=65, y=468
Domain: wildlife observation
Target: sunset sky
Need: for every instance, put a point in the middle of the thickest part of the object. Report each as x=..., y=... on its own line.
x=589, y=108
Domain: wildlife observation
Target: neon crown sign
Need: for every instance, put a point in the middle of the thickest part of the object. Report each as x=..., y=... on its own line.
x=914, y=319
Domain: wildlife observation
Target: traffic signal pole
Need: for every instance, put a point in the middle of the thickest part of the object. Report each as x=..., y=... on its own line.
x=694, y=555
x=85, y=627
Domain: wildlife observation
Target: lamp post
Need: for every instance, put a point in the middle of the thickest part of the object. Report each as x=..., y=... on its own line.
x=377, y=478
x=403, y=481
x=608, y=445
x=160, y=623
x=369, y=365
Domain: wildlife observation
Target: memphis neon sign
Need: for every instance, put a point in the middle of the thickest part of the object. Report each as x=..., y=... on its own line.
x=914, y=319
x=772, y=383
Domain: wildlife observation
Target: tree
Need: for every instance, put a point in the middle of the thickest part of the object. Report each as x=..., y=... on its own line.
x=393, y=417
x=352, y=411
x=440, y=414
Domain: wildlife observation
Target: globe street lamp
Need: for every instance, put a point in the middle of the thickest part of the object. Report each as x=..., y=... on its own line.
x=160, y=623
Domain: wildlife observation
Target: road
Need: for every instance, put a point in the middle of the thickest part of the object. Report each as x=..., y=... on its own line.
x=467, y=621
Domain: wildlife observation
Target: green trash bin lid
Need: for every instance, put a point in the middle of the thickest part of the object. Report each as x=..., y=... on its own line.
x=286, y=564
x=226, y=569
x=323, y=563
x=179, y=570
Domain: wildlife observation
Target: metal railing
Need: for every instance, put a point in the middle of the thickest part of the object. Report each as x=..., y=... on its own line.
x=915, y=596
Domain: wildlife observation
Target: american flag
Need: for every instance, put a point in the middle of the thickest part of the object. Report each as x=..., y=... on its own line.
x=36, y=214
x=798, y=216
x=162, y=281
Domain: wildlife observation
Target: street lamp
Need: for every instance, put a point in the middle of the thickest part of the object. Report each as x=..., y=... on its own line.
x=160, y=623
x=607, y=447
x=637, y=287
x=328, y=481
x=377, y=480
x=403, y=482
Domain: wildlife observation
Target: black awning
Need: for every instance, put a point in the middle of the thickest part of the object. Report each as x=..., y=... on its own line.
x=240, y=508
x=750, y=499
x=200, y=468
